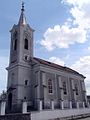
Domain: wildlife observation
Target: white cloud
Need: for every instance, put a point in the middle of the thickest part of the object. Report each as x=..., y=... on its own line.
x=83, y=66
x=57, y=60
x=78, y=3
x=89, y=48
x=74, y=30
x=80, y=12
x=62, y=37
x=3, y=72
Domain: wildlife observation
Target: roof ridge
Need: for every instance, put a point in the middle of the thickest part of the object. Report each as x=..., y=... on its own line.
x=58, y=66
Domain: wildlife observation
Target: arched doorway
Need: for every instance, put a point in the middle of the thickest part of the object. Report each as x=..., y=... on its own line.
x=10, y=101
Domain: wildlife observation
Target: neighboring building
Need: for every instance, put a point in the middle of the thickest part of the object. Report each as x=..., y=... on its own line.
x=33, y=80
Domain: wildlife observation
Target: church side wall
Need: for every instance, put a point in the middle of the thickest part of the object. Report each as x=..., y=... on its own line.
x=58, y=94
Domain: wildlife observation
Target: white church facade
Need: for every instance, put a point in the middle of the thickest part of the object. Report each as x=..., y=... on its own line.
x=41, y=84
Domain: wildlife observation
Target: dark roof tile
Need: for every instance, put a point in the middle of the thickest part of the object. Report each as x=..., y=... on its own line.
x=64, y=68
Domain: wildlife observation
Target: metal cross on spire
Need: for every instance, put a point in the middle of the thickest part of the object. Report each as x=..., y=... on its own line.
x=22, y=20
x=22, y=6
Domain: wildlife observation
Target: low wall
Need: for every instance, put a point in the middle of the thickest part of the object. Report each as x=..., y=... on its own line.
x=49, y=115
x=16, y=117
x=56, y=114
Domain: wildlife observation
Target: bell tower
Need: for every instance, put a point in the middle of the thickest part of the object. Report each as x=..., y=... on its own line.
x=21, y=40
x=19, y=70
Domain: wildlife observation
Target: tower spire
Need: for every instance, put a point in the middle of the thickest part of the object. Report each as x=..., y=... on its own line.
x=22, y=20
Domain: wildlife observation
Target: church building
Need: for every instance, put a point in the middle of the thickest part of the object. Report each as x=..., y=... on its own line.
x=40, y=83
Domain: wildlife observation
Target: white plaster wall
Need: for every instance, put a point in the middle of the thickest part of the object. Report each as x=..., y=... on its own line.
x=67, y=77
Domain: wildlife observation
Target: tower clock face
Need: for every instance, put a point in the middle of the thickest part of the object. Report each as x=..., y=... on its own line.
x=28, y=34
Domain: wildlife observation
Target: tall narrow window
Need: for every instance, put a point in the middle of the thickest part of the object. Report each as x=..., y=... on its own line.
x=50, y=86
x=26, y=44
x=15, y=40
x=60, y=82
x=76, y=89
x=15, y=44
x=64, y=88
x=44, y=79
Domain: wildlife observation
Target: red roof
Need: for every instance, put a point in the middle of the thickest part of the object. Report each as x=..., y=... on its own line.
x=64, y=68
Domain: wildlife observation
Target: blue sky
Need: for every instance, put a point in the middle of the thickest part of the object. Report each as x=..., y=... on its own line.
x=62, y=29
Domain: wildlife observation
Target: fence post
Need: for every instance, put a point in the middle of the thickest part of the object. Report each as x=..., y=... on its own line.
x=2, y=107
x=62, y=105
x=77, y=105
x=70, y=104
x=40, y=105
x=83, y=105
x=52, y=104
x=24, y=107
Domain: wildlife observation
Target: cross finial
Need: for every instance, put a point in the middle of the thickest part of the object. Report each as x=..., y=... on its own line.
x=22, y=6
x=22, y=20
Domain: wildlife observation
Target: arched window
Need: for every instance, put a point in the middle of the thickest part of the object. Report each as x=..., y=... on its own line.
x=15, y=40
x=64, y=88
x=15, y=44
x=76, y=89
x=26, y=44
x=50, y=86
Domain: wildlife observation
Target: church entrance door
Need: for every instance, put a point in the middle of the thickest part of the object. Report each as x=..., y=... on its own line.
x=10, y=101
